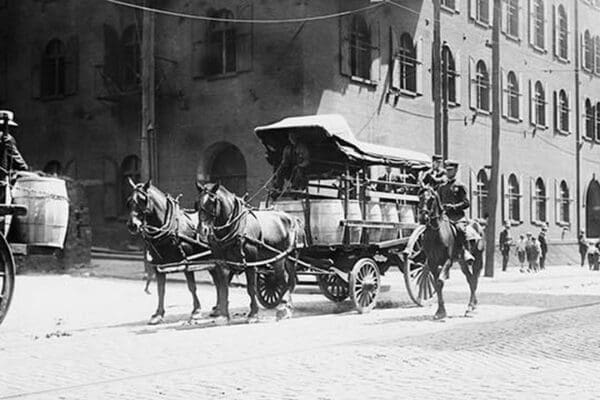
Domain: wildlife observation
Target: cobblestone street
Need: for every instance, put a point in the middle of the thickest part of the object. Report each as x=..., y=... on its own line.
x=70, y=337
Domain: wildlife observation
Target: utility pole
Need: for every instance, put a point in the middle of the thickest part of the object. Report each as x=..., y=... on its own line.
x=435, y=71
x=147, y=149
x=490, y=231
x=577, y=124
x=445, y=94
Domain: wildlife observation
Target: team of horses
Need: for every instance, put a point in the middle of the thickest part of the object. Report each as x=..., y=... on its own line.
x=244, y=240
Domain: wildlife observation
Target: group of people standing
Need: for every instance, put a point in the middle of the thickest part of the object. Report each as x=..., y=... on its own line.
x=531, y=251
x=589, y=250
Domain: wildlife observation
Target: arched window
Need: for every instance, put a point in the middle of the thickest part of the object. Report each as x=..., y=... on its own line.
x=130, y=168
x=408, y=64
x=449, y=70
x=539, y=102
x=221, y=44
x=588, y=51
x=53, y=69
x=53, y=167
x=131, y=62
x=228, y=167
x=512, y=18
x=563, y=33
x=597, y=51
x=589, y=120
x=482, y=84
x=598, y=121
x=360, y=48
x=539, y=39
x=482, y=11
x=539, y=201
x=513, y=95
x=482, y=193
x=563, y=111
x=563, y=203
x=513, y=198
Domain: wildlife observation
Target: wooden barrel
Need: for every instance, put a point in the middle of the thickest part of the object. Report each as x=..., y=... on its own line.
x=47, y=210
x=374, y=214
x=406, y=213
x=389, y=213
x=325, y=218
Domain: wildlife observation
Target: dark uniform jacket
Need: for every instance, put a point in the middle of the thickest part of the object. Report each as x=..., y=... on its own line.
x=453, y=196
x=543, y=243
x=10, y=156
x=505, y=241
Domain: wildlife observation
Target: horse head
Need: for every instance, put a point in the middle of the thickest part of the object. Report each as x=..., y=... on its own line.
x=429, y=206
x=142, y=205
x=208, y=203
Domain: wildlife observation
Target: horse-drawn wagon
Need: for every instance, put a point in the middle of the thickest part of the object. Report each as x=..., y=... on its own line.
x=357, y=224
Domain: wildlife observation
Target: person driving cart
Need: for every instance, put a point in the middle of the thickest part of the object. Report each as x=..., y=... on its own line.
x=294, y=160
x=10, y=156
x=454, y=200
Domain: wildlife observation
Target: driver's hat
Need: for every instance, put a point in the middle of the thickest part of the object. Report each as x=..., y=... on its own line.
x=451, y=164
x=9, y=115
x=436, y=157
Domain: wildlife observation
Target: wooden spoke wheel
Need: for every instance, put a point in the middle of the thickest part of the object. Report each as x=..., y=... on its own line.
x=270, y=289
x=333, y=287
x=365, y=284
x=417, y=275
x=7, y=277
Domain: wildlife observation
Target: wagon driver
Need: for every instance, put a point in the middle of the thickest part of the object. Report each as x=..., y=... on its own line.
x=10, y=156
x=294, y=161
x=453, y=196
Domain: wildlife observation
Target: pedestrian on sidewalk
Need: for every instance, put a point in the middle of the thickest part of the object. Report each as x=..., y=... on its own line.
x=505, y=243
x=521, y=245
x=593, y=256
x=583, y=246
x=543, y=247
x=533, y=253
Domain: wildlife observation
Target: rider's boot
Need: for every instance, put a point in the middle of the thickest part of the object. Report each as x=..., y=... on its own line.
x=468, y=257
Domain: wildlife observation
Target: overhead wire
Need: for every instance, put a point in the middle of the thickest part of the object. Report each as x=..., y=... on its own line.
x=243, y=21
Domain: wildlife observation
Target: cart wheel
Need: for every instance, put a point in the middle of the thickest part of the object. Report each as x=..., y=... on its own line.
x=270, y=288
x=333, y=287
x=7, y=277
x=417, y=276
x=364, y=282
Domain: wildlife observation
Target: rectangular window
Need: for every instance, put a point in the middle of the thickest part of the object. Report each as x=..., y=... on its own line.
x=451, y=4
x=483, y=11
x=512, y=18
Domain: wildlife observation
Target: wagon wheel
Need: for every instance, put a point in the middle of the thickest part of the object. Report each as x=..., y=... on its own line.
x=419, y=280
x=7, y=277
x=333, y=287
x=270, y=289
x=365, y=284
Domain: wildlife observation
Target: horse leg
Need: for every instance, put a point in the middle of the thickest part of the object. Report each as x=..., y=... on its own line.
x=439, y=285
x=191, y=284
x=157, y=317
x=222, y=308
x=215, y=277
x=289, y=272
x=251, y=289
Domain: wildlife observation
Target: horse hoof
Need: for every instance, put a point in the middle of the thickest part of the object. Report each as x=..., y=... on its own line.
x=439, y=316
x=195, y=315
x=284, y=313
x=252, y=319
x=155, y=320
x=221, y=320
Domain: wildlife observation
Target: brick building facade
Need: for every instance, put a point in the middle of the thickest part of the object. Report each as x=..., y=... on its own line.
x=70, y=71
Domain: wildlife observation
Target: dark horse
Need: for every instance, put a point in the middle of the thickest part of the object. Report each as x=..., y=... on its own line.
x=245, y=240
x=441, y=248
x=170, y=235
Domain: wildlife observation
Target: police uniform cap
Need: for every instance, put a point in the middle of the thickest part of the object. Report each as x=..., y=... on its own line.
x=451, y=164
x=436, y=157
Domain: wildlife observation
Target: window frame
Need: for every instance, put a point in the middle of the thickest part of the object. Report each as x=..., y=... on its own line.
x=513, y=197
x=563, y=199
x=482, y=87
x=539, y=199
x=562, y=39
x=513, y=96
x=364, y=48
x=479, y=8
x=539, y=102
x=482, y=193
x=538, y=21
x=54, y=70
x=588, y=52
x=512, y=19
x=222, y=36
x=564, y=112
x=589, y=120
x=449, y=68
x=408, y=64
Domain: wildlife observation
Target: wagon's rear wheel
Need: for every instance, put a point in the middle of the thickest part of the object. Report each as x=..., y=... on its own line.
x=365, y=284
x=270, y=289
x=333, y=287
x=7, y=277
x=419, y=280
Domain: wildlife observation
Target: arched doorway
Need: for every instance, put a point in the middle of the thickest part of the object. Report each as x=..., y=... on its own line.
x=592, y=210
x=228, y=167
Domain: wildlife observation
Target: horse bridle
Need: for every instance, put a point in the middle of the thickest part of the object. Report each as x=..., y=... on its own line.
x=432, y=215
x=214, y=213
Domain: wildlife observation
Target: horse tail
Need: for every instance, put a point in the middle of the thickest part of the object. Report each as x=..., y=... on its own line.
x=299, y=232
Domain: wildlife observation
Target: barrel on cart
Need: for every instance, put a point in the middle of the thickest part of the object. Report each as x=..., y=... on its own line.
x=357, y=225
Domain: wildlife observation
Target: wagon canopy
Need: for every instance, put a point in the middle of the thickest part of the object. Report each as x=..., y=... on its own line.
x=332, y=145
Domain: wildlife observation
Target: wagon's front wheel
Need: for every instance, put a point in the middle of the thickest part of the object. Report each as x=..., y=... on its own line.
x=7, y=277
x=419, y=280
x=365, y=284
x=270, y=288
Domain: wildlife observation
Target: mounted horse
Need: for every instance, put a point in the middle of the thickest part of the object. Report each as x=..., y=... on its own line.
x=441, y=247
x=246, y=240
x=170, y=236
